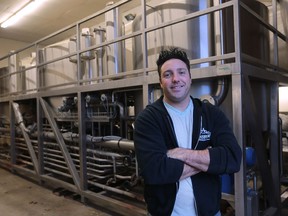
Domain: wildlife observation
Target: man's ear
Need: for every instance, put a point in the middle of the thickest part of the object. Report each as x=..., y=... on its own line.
x=161, y=84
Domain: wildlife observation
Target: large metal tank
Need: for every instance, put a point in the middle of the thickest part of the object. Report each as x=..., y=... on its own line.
x=254, y=36
x=282, y=26
x=30, y=74
x=59, y=72
x=17, y=80
x=194, y=36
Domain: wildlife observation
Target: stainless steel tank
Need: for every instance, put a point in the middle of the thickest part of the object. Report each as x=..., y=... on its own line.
x=58, y=72
x=254, y=36
x=194, y=36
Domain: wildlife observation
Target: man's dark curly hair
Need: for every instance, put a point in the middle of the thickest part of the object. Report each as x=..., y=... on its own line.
x=171, y=53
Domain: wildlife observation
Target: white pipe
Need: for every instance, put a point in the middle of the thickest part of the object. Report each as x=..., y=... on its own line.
x=99, y=37
x=19, y=118
x=113, y=50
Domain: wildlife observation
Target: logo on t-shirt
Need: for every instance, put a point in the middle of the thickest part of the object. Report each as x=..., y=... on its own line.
x=204, y=135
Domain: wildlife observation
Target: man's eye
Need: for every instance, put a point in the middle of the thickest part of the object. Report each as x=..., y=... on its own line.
x=182, y=72
x=166, y=75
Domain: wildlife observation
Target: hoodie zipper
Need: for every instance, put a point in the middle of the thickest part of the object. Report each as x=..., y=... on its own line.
x=195, y=202
x=173, y=131
x=199, y=134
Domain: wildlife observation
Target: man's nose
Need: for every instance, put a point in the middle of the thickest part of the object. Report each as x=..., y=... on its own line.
x=175, y=77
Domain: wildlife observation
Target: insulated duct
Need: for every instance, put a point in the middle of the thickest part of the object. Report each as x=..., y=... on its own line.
x=220, y=94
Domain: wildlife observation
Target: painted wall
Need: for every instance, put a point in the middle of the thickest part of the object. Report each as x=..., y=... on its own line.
x=7, y=46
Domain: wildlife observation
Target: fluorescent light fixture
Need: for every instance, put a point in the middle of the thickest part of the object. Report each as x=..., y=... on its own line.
x=28, y=8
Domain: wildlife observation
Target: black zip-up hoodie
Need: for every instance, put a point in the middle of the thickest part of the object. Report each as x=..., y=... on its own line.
x=154, y=135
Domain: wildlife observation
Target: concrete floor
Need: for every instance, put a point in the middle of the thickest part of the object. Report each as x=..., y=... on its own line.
x=20, y=197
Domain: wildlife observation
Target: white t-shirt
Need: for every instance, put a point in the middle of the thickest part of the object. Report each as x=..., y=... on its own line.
x=183, y=126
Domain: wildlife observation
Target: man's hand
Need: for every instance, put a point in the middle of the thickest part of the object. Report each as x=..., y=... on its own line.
x=198, y=159
x=177, y=153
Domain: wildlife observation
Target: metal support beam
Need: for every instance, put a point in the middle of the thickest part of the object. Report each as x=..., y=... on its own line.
x=275, y=151
x=82, y=143
x=12, y=135
x=240, y=184
x=71, y=166
x=40, y=139
x=252, y=120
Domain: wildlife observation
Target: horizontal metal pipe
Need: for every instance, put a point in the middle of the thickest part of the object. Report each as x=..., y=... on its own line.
x=99, y=176
x=118, y=191
x=113, y=142
x=57, y=172
x=54, y=160
x=5, y=156
x=55, y=165
x=4, y=129
x=123, y=177
x=24, y=162
x=98, y=171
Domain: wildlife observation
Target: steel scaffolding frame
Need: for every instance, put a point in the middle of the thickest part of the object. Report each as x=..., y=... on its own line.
x=243, y=71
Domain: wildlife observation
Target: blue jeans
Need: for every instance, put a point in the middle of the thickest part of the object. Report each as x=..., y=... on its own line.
x=217, y=214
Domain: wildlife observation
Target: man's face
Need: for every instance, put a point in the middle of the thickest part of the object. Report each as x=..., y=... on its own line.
x=175, y=81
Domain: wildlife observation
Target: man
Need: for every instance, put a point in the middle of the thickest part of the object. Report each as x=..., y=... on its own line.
x=183, y=145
